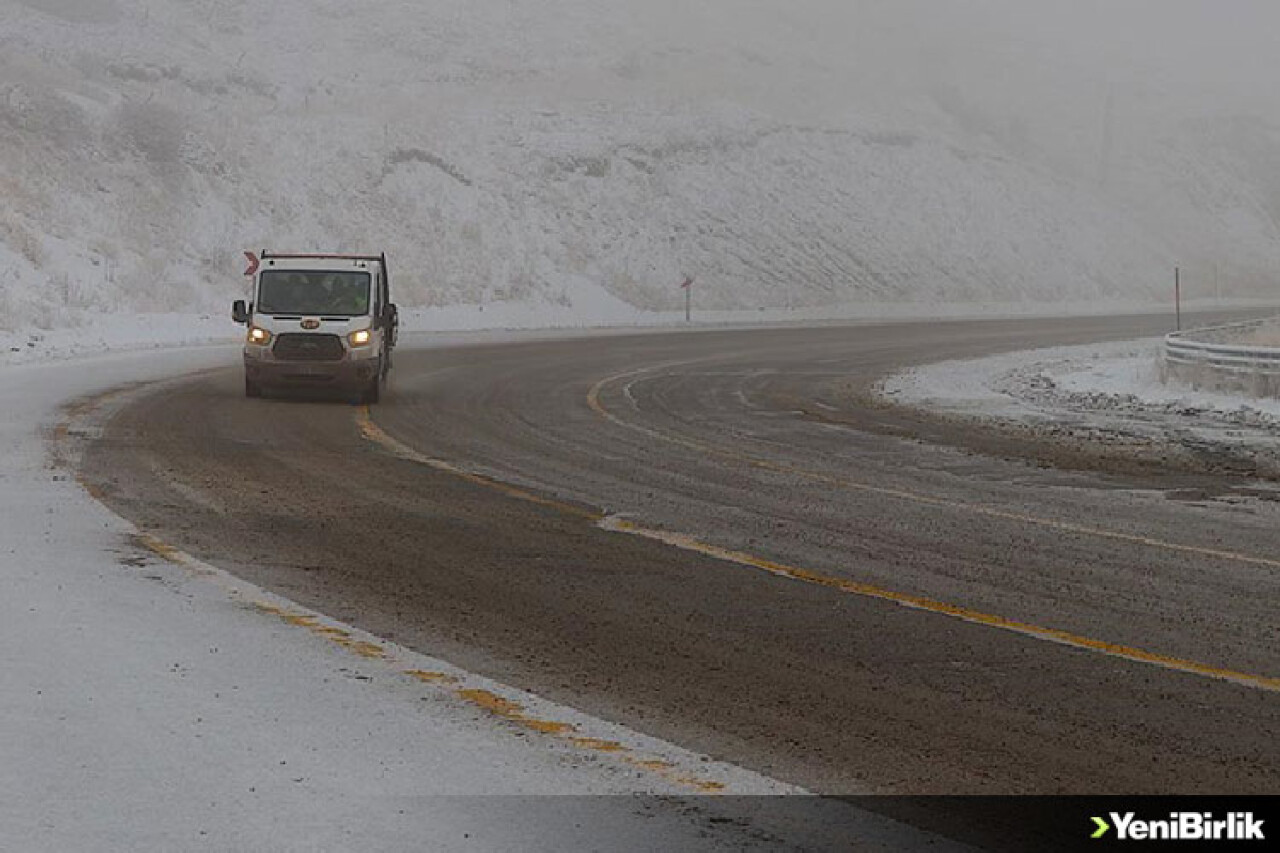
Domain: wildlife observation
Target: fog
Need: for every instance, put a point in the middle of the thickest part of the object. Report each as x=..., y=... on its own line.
x=809, y=152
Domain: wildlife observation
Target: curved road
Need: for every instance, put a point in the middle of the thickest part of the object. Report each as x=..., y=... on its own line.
x=716, y=538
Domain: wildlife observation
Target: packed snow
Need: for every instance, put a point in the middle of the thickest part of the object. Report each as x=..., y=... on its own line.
x=1095, y=390
x=813, y=156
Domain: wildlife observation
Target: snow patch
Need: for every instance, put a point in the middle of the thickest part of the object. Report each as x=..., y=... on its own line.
x=1113, y=388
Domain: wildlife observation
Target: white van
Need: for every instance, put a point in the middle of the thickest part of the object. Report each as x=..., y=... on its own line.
x=318, y=321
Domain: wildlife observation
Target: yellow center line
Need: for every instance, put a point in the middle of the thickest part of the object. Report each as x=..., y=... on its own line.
x=965, y=614
x=372, y=432
x=593, y=400
x=688, y=543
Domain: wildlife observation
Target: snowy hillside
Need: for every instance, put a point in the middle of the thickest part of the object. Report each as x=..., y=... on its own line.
x=551, y=149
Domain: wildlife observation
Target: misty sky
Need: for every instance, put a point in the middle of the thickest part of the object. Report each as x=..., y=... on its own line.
x=1051, y=70
x=1199, y=55
x=1191, y=56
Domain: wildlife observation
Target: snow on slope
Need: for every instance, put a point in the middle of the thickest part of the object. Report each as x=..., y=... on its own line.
x=540, y=150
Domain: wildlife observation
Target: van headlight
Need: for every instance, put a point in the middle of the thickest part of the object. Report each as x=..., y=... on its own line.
x=259, y=336
x=360, y=338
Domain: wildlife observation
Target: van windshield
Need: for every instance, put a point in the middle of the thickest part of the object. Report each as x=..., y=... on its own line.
x=315, y=292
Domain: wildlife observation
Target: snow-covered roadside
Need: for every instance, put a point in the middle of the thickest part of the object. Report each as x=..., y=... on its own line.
x=104, y=333
x=1097, y=392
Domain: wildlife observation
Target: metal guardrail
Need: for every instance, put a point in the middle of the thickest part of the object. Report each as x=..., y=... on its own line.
x=1205, y=356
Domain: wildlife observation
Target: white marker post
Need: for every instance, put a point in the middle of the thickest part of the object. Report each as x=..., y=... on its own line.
x=1177, y=296
x=687, y=286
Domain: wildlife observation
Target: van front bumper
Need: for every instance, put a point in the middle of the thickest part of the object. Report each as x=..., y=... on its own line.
x=348, y=374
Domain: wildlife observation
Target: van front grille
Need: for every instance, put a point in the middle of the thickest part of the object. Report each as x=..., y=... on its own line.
x=298, y=347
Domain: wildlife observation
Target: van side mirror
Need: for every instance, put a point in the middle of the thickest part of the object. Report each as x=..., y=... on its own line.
x=239, y=311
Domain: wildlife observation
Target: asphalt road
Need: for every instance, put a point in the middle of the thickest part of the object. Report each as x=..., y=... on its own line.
x=716, y=538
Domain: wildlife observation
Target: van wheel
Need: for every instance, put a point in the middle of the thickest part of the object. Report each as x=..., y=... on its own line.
x=251, y=388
